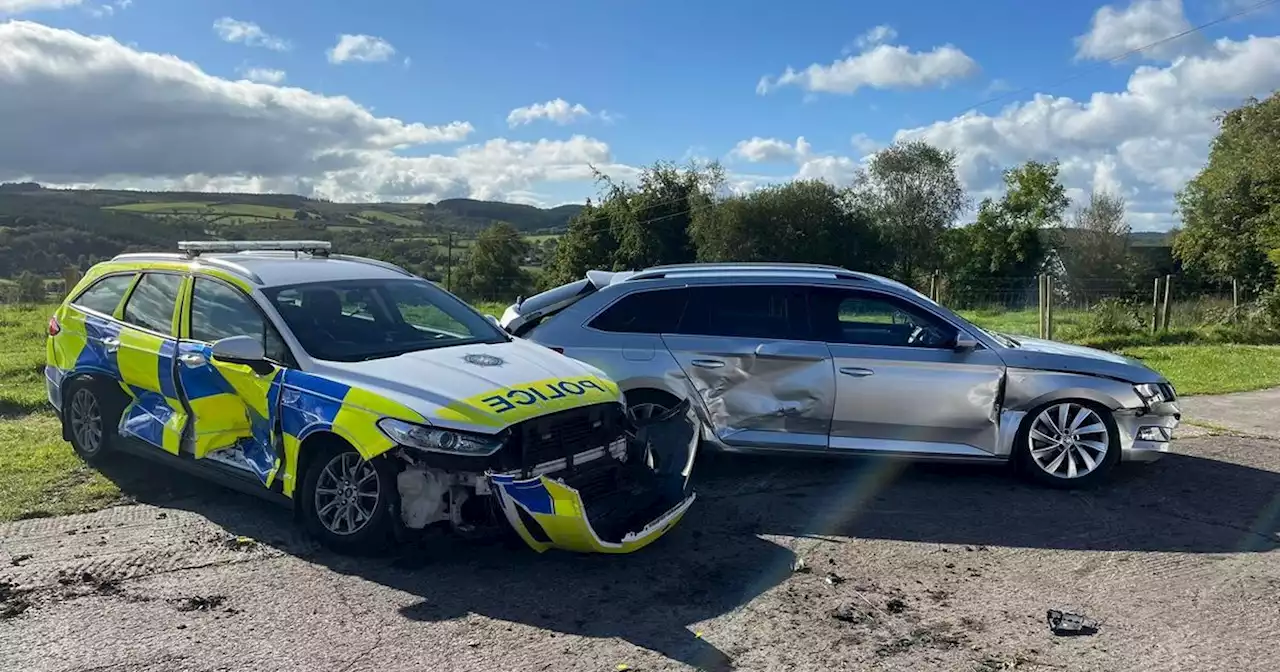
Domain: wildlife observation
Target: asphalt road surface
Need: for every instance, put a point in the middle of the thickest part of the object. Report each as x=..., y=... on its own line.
x=911, y=568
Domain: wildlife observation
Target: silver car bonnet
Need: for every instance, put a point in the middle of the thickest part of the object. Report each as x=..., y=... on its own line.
x=1035, y=353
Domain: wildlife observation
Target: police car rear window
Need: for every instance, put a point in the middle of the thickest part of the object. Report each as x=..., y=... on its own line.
x=152, y=302
x=105, y=294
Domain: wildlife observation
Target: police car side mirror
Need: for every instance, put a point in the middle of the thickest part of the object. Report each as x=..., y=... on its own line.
x=245, y=350
x=494, y=320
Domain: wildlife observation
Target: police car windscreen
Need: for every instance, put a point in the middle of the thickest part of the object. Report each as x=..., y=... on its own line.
x=356, y=320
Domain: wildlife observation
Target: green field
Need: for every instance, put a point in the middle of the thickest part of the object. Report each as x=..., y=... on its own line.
x=41, y=476
x=388, y=217
x=207, y=210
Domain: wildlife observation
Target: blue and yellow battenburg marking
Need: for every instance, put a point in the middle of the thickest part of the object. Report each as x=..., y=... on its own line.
x=560, y=512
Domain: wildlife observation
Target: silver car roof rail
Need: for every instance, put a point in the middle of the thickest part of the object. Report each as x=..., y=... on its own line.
x=746, y=268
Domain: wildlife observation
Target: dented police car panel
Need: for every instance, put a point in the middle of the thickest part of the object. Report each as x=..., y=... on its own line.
x=371, y=399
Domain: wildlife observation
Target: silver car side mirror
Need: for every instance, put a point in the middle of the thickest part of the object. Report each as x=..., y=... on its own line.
x=497, y=323
x=965, y=342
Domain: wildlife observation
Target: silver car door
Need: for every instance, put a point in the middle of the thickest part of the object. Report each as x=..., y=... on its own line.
x=745, y=352
x=902, y=385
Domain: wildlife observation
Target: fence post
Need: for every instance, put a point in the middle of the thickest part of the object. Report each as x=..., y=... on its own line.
x=1040, y=303
x=1048, y=307
x=1235, y=298
x=70, y=276
x=935, y=288
x=448, y=272
x=1164, y=318
x=1155, y=307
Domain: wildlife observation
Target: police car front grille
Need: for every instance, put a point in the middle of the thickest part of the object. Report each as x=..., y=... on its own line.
x=567, y=433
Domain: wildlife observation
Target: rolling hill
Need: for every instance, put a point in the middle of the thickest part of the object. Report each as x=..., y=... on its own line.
x=44, y=230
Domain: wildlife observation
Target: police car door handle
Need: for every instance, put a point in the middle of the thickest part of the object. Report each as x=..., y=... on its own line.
x=111, y=344
x=707, y=363
x=192, y=360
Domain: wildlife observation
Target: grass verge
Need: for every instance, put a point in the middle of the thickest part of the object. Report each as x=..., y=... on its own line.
x=1213, y=369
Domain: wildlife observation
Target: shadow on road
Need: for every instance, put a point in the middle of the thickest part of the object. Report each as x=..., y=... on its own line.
x=714, y=561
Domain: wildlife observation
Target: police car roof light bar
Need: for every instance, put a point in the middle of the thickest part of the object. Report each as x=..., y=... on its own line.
x=194, y=248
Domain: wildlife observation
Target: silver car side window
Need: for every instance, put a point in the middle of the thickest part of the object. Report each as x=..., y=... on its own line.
x=866, y=318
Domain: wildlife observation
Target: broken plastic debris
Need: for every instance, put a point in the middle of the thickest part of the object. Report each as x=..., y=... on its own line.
x=834, y=579
x=1067, y=624
x=799, y=567
x=623, y=666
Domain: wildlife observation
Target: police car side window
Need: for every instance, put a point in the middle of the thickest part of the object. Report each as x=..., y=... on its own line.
x=152, y=302
x=105, y=294
x=218, y=312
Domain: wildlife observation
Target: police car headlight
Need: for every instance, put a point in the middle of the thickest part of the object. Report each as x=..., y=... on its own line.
x=438, y=440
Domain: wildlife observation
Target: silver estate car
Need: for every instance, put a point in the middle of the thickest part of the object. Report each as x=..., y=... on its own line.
x=805, y=358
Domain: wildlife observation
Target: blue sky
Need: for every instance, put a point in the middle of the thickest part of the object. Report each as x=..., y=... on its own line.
x=655, y=80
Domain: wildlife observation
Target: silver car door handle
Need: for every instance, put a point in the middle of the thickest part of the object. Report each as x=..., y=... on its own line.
x=784, y=352
x=192, y=360
x=110, y=344
x=707, y=363
x=856, y=372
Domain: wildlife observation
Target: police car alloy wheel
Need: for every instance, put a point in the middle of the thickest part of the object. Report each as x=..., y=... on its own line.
x=347, y=494
x=90, y=419
x=349, y=503
x=86, y=421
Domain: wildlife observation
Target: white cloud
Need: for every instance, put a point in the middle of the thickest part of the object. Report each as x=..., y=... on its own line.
x=771, y=150
x=20, y=6
x=878, y=35
x=1115, y=32
x=96, y=112
x=558, y=111
x=264, y=75
x=879, y=66
x=248, y=33
x=361, y=48
x=864, y=143
x=1146, y=140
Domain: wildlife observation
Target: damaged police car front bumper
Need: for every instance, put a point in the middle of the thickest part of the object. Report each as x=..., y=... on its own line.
x=607, y=484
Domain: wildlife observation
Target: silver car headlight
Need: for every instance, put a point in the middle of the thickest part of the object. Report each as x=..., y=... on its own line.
x=436, y=440
x=1154, y=393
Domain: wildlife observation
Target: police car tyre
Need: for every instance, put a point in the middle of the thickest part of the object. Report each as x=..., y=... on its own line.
x=349, y=504
x=91, y=411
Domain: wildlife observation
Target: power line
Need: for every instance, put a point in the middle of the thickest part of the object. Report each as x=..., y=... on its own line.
x=1235, y=15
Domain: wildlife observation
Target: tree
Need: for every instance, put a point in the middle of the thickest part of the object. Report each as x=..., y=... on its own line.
x=912, y=190
x=1231, y=209
x=1099, y=242
x=800, y=221
x=652, y=223
x=492, y=269
x=634, y=226
x=587, y=244
x=1007, y=241
x=31, y=288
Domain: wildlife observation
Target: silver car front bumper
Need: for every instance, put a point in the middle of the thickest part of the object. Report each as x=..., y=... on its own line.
x=1146, y=433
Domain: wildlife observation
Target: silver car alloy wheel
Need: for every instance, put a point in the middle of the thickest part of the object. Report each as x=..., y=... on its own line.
x=645, y=411
x=347, y=494
x=1068, y=440
x=86, y=421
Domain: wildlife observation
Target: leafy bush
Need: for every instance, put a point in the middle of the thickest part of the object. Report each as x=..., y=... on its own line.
x=1114, y=316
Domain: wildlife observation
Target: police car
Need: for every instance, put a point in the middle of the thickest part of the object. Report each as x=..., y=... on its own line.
x=370, y=400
